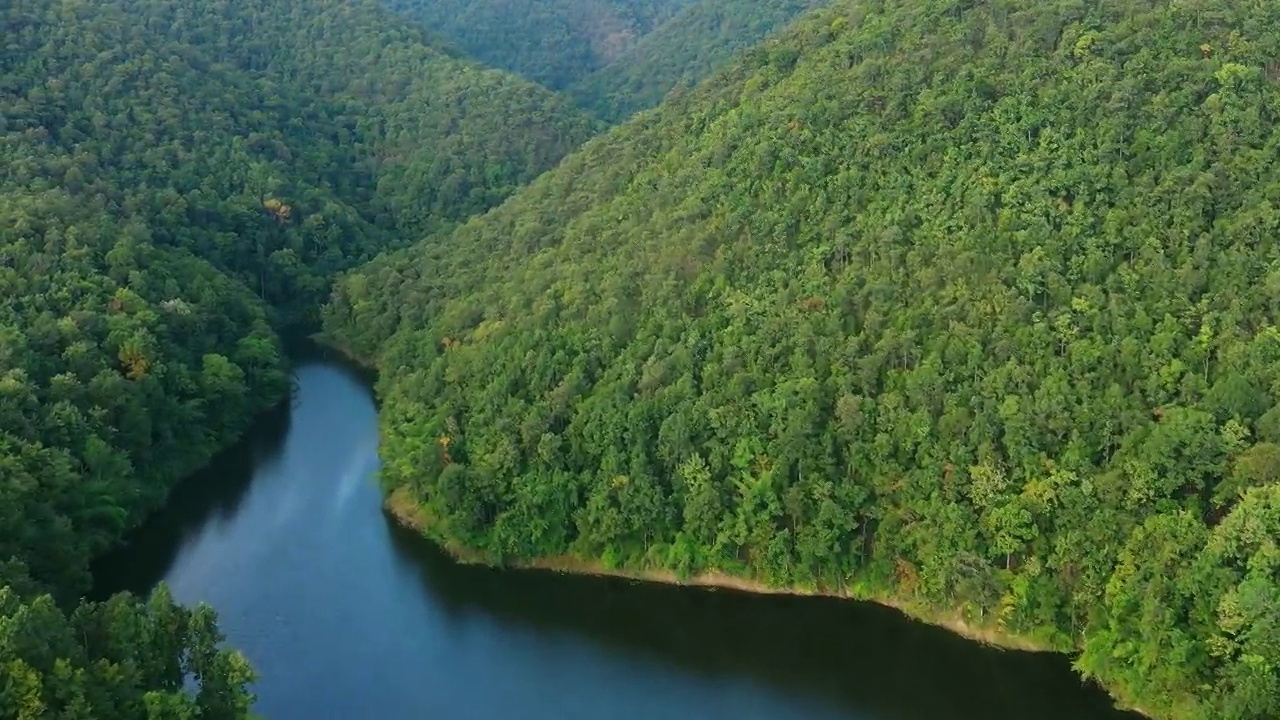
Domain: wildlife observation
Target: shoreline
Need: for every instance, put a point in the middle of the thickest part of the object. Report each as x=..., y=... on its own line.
x=400, y=506
x=327, y=342
x=405, y=511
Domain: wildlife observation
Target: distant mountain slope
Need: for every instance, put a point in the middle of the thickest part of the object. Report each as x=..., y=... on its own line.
x=334, y=105
x=690, y=46
x=971, y=305
x=615, y=57
x=448, y=138
x=553, y=42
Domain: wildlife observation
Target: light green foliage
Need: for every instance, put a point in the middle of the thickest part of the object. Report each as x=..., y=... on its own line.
x=973, y=304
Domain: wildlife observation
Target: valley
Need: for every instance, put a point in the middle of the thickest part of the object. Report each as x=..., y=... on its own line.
x=968, y=309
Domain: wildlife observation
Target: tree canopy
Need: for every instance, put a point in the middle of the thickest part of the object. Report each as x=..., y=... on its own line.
x=972, y=305
x=179, y=182
x=613, y=57
x=553, y=42
x=681, y=52
x=118, y=659
x=281, y=141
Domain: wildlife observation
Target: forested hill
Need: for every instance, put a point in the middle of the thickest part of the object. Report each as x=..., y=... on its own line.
x=553, y=42
x=614, y=57
x=178, y=181
x=201, y=111
x=969, y=305
x=682, y=51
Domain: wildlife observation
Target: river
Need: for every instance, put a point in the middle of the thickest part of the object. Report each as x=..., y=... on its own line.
x=347, y=616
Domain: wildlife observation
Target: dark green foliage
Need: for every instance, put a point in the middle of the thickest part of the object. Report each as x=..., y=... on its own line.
x=614, y=57
x=176, y=179
x=553, y=42
x=974, y=305
x=268, y=139
x=123, y=366
x=682, y=51
x=122, y=659
x=280, y=141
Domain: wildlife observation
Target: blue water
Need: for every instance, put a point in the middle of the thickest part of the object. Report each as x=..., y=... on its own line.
x=347, y=616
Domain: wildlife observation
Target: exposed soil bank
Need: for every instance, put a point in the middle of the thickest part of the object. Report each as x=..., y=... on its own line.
x=401, y=506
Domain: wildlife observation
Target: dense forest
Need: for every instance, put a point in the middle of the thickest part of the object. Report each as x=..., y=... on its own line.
x=613, y=57
x=968, y=305
x=681, y=52
x=553, y=42
x=122, y=658
x=179, y=182
x=337, y=120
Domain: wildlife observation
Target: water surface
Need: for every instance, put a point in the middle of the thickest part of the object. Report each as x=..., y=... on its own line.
x=347, y=616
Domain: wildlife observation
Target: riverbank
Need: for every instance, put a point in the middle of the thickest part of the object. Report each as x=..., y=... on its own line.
x=402, y=507
x=347, y=355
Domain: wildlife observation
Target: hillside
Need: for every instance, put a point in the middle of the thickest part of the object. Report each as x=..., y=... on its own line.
x=682, y=51
x=972, y=306
x=553, y=42
x=446, y=138
x=180, y=181
x=335, y=109
x=614, y=57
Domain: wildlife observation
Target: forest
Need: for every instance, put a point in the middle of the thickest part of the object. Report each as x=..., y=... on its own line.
x=179, y=183
x=614, y=58
x=681, y=52
x=968, y=306
x=552, y=42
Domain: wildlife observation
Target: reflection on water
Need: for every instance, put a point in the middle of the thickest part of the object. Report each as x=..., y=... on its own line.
x=866, y=659
x=211, y=497
x=348, y=616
